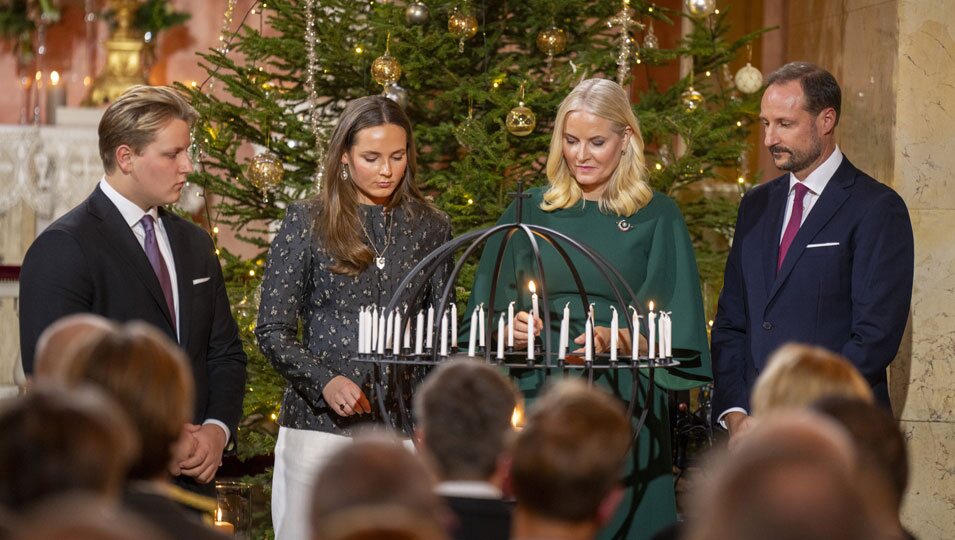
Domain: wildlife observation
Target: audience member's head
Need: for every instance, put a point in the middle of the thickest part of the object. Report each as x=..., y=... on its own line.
x=60, y=341
x=568, y=460
x=57, y=441
x=883, y=464
x=463, y=412
x=374, y=475
x=790, y=478
x=77, y=517
x=797, y=375
x=147, y=374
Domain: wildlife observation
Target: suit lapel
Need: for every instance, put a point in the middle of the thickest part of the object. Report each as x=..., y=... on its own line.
x=117, y=233
x=181, y=257
x=775, y=211
x=832, y=198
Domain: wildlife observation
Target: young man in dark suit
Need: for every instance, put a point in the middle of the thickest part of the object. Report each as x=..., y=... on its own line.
x=822, y=255
x=463, y=412
x=121, y=255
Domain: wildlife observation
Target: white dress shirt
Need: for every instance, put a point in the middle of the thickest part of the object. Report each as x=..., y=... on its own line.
x=815, y=182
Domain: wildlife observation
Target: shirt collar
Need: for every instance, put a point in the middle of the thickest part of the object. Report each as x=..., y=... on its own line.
x=130, y=211
x=817, y=179
x=469, y=489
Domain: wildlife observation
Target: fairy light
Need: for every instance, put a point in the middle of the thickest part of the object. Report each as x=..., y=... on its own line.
x=311, y=77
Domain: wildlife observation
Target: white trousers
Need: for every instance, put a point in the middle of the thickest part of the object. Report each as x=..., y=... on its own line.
x=299, y=454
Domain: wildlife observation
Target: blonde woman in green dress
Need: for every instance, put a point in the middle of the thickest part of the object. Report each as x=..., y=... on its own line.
x=598, y=195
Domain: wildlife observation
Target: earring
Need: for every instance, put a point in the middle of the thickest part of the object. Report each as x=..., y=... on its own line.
x=344, y=171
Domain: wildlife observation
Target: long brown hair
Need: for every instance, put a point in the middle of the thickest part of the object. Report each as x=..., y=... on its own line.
x=337, y=224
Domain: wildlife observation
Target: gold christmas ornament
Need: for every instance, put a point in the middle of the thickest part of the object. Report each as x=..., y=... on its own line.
x=386, y=70
x=552, y=40
x=700, y=8
x=265, y=172
x=692, y=100
x=748, y=79
x=520, y=120
x=463, y=26
x=416, y=13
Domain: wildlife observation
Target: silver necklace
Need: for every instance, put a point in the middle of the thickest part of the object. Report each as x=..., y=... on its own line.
x=380, y=255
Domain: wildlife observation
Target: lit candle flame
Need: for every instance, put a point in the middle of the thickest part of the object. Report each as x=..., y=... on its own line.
x=218, y=514
x=517, y=417
x=532, y=287
x=651, y=305
x=54, y=78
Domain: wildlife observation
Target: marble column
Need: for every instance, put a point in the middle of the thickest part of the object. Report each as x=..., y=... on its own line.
x=895, y=60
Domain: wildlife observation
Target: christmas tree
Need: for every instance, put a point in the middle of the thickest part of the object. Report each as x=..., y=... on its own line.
x=481, y=82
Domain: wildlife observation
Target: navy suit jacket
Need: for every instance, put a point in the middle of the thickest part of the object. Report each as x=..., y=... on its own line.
x=845, y=283
x=90, y=261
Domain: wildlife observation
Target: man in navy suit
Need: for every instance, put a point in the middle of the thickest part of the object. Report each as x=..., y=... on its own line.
x=822, y=255
x=121, y=255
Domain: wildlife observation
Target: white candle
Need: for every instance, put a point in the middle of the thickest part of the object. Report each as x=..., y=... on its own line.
x=397, y=343
x=589, y=340
x=652, y=325
x=510, y=325
x=419, y=332
x=564, y=333
x=500, y=338
x=370, y=325
x=663, y=331
x=614, y=330
x=472, y=338
x=669, y=325
x=430, y=329
x=389, y=329
x=454, y=326
x=531, y=325
x=444, y=334
x=635, y=337
x=407, y=345
x=481, y=341
x=373, y=346
x=534, y=307
x=382, y=332
x=361, y=330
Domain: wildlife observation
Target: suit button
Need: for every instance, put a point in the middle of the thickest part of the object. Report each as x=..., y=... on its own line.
x=767, y=325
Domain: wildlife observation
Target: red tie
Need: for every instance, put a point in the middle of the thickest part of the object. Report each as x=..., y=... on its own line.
x=795, y=219
x=158, y=264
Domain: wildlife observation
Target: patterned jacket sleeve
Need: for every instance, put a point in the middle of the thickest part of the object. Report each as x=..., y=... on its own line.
x=284, y=293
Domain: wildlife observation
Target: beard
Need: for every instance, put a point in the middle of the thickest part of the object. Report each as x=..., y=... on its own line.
x=800, y=159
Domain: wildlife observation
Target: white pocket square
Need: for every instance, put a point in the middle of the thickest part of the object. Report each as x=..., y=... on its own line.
x=200, y=280
x=827, y=244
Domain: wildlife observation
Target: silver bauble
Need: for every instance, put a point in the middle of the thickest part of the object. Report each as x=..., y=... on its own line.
x=416, y=13
x=397, y=94
x=700, y=8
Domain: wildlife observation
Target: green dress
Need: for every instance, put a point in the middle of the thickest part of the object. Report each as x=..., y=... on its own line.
x=652, y=251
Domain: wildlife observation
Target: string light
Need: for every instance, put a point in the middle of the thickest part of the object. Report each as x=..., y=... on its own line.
x=311, y=39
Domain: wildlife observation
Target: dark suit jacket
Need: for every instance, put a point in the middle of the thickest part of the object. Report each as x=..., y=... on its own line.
x=90, y=261
x=480, y=519
x=851, y=297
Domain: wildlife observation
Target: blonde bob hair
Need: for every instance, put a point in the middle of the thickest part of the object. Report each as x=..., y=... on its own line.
x=627, y=190
x=799, y=375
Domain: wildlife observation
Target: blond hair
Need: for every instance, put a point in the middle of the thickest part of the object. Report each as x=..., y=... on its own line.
x=627, y=190
x=137, y=116
x=798, y=375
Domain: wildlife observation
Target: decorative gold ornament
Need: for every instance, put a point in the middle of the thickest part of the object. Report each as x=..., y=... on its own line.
x=692, y=100
x=748, y=79
x=124, y=57
x=520, y=121
x=462, y=25
x=416, y=13
x=265, y=172
x=386, y=69
x=700, y=8
x=552, y=41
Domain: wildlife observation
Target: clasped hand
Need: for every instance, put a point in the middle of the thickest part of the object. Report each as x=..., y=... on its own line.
x=199, y=452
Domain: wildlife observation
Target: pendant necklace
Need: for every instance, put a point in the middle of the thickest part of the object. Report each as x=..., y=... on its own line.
x=380, y=255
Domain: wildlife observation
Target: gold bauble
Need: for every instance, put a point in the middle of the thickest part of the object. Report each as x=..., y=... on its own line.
x=520, y=121
x=552, y=40
x=692, y=100
x=265, y=171
x=701, y=8
x=386, y=70
x=462, y=24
